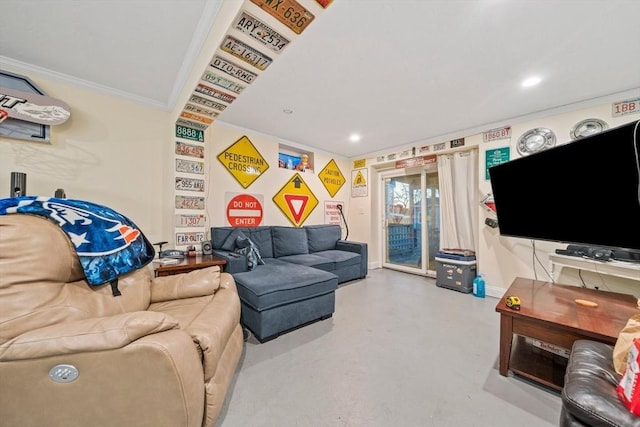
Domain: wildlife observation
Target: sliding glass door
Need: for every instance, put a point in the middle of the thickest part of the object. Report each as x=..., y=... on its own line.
x=411, y=220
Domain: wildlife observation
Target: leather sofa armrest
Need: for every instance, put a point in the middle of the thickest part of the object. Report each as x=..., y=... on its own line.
x=589, y=395
x=196, y=283
x=98, y=334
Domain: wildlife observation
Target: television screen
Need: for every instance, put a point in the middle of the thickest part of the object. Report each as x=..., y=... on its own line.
x=583, y=192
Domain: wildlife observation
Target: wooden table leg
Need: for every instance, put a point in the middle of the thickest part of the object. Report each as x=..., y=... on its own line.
x=506, y=338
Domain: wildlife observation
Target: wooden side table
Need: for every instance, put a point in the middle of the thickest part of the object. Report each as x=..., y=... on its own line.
x=189, y=264
x=550, y=314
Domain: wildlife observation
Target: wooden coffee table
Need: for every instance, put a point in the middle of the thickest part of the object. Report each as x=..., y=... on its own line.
x=189, y=264
x=550, y=314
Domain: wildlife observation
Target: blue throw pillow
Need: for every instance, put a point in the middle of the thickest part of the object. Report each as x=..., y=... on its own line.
x=245, y=246
x=230, y=242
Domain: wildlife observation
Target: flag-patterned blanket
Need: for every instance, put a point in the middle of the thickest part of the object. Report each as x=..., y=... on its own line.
x=107, y=243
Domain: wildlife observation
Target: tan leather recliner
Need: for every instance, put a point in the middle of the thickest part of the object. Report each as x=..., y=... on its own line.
x=161, y=354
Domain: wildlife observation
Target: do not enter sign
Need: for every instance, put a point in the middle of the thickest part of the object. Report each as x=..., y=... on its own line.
x=244, y=210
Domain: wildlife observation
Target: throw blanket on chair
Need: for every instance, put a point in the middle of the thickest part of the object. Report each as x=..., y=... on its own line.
x=107, y=243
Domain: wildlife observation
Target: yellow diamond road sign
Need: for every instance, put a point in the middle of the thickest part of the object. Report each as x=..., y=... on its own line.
x=295, y=200
x=332, y=178
x=243, y=161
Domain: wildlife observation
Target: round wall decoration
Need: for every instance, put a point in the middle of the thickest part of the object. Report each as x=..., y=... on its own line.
x=587, y=127
x=535, y=140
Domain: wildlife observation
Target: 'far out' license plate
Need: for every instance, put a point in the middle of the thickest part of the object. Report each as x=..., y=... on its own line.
x=189, y=238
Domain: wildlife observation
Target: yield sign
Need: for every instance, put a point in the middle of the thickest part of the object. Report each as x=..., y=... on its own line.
x=296, y=204
x=295, y=200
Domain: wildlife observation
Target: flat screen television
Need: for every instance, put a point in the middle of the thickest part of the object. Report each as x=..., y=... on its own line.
x=585, y=192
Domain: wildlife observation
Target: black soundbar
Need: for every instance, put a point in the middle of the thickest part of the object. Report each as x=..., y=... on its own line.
x=600, y=253
x=587, y=252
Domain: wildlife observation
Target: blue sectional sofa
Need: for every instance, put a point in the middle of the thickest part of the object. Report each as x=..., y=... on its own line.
x=296, y=276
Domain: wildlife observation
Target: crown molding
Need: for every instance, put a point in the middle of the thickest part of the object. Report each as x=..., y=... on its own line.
x=54, y=75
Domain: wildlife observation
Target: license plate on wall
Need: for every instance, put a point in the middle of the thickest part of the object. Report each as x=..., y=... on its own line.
x=190, y=124
x=189, y=166
x=189, y=202
x=195, y=99
x=190, y=150
x=196, y=220
x=215, y=93
x=261, y=32
x=232, y=69
x=199, y=109
x=217, y=80
x=188, y=133
x=245, y=52
x=189, y=184
x=191, y=238
x=289, y=12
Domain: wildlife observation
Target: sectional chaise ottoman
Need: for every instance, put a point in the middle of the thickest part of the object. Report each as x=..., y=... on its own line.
x=296, y=276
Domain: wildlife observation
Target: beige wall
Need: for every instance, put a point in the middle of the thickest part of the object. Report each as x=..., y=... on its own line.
x=501, y=259
x=111, y=151
x=120, y=153
x=504, y=258
x=220, y=181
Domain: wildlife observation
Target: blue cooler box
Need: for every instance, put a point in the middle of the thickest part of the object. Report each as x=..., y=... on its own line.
x=455, y=271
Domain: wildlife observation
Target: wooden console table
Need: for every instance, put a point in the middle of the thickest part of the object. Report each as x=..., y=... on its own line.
x=550, y=314
x=189, y=264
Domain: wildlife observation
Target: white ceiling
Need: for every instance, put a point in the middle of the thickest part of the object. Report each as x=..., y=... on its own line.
x=400, y=73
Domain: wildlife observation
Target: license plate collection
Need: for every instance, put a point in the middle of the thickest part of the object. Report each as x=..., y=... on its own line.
x=207, y=101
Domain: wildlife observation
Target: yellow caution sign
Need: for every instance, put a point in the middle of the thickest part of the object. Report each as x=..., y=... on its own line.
x=332, y=177
x=295, y=200
x=357, y=164
x=359, y=186
x=243, y=161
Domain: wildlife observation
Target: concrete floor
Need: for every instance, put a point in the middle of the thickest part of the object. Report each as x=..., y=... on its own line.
x=399, y=351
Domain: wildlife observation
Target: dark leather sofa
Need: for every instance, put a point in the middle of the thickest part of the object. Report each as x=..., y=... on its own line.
x=589, y=396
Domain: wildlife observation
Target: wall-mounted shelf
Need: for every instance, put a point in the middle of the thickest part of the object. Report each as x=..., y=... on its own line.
x=295, y=159
x=627, y=270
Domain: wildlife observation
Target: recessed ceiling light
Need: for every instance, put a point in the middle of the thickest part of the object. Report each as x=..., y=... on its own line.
x=531, y=81
x=354, y=137
x=287, y=111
